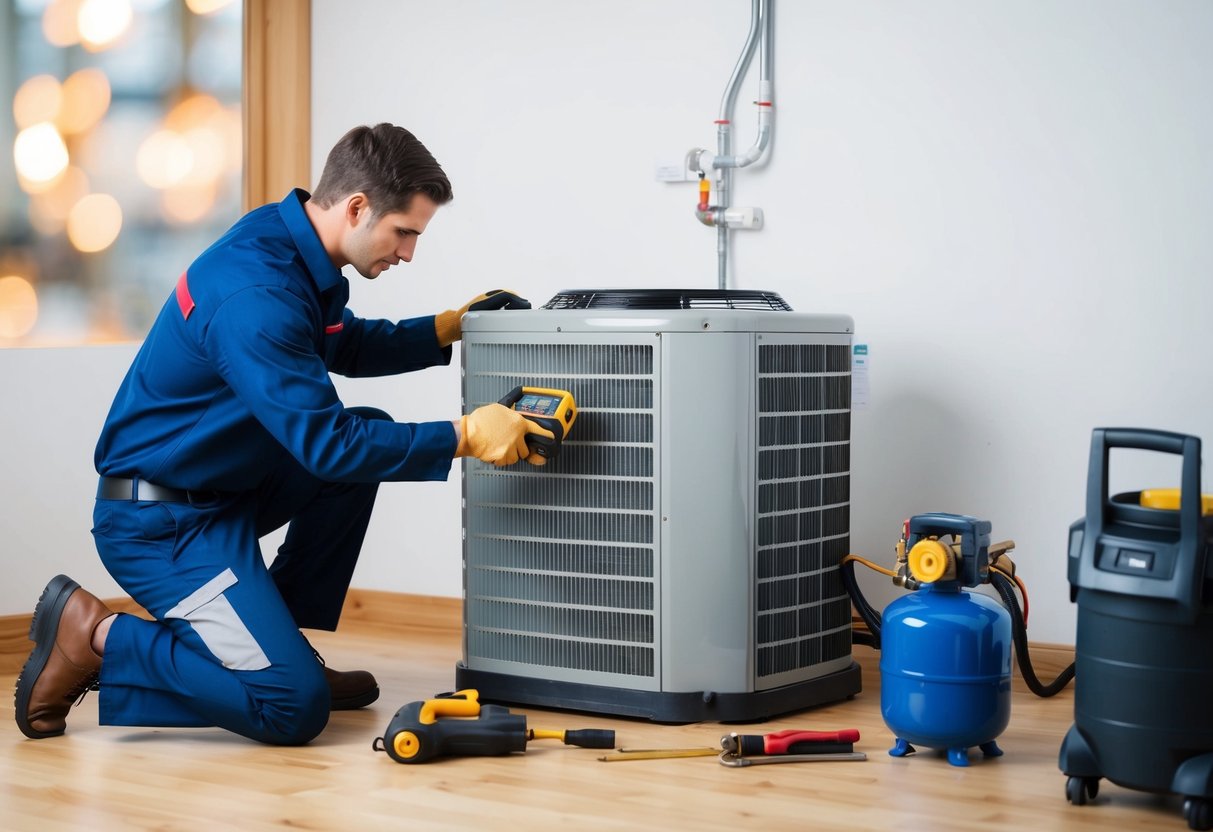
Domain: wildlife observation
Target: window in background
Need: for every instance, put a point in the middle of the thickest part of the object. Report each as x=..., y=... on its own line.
x=124, y=160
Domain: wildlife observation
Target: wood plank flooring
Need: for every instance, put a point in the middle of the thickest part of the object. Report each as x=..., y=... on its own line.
x=107, y=778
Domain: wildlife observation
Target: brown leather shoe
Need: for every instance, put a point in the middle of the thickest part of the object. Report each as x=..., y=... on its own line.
x=350, y=690
x=63, y=664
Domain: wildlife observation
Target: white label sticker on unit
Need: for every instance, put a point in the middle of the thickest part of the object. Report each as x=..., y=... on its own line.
x=860, y=383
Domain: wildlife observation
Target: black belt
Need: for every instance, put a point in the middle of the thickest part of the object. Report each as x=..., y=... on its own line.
x=119, y=488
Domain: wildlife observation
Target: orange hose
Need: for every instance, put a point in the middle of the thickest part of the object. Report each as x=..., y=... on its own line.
x=870, y=565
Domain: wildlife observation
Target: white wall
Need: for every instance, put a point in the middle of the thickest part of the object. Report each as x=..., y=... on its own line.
x=1011, y=199
x=54, y=404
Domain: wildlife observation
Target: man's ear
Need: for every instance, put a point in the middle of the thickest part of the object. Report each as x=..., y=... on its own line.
x=357, y=209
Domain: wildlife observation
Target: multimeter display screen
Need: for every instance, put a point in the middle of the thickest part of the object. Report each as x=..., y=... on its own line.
x=537, y=405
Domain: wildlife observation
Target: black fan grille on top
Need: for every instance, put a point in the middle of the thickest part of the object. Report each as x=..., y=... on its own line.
x=668, y=299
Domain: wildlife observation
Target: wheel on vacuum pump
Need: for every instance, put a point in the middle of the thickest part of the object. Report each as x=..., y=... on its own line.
x=1092, y=786
x=1198, y=812
x=1076, y=791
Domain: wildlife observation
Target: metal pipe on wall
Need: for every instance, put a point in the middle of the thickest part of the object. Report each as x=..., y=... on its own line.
x=722, y=164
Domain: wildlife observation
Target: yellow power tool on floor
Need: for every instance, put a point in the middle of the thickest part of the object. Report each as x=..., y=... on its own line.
x=458, y=725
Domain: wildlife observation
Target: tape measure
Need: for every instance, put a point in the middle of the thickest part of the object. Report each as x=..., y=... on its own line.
x=551, y=409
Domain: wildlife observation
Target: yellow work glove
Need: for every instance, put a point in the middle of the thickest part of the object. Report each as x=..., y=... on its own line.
x=449, y=324
x=497, y=434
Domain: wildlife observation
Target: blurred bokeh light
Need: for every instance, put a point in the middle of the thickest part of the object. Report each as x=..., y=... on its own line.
x=18, y=307
x=59, y=22
x=48, y=210
x=93, y=223
x=207, y=6
x=101, y=22
x=40, y=155
x=37, y=100
x=126, y=149
x=86, y=97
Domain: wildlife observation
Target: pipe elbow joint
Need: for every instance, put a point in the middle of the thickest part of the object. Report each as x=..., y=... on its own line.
x=700, y=161
x=756, y=150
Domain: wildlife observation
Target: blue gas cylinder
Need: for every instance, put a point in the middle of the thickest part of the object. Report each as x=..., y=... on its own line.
x=945, y=671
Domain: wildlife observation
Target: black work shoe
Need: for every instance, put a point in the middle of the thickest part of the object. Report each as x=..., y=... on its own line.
x=350, y=690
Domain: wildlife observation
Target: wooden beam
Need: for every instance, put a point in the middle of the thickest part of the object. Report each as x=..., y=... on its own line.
x=277, y=98
x=399, y=609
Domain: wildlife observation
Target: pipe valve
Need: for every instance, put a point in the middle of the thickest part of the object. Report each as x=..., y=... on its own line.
x=700, y=161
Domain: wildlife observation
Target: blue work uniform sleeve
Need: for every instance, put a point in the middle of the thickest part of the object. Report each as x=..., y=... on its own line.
x=366, y=347
x=262, y=342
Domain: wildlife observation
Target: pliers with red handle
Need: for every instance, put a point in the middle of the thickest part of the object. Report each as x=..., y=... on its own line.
x=790, y=746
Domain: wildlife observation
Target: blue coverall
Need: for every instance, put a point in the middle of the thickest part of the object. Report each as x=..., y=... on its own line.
x=230, y=399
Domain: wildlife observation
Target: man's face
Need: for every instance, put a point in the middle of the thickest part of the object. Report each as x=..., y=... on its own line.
x=377, y=242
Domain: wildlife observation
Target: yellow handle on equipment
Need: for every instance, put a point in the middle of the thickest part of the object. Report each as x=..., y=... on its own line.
x=1168, y=498
x=463, y=703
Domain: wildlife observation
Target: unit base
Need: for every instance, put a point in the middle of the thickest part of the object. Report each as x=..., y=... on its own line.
x=674, y=708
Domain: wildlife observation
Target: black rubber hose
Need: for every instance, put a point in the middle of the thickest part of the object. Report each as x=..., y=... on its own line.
x=1019, y=633
x=870, y=616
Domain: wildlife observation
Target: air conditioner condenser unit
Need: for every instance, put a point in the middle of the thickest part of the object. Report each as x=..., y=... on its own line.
x=679, y=560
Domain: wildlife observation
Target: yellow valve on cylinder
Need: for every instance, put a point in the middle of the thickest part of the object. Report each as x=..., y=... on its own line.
x=932, y=561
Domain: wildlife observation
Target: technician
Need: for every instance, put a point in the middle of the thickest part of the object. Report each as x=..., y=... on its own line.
x=228, y=426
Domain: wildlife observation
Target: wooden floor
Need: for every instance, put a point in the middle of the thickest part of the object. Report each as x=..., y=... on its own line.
x=103, y=778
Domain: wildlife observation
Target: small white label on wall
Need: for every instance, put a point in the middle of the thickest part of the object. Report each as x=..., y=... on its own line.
x=673, y=170
x=860, y=383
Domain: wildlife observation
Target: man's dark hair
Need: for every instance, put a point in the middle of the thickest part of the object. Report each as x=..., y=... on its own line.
x=385, y=162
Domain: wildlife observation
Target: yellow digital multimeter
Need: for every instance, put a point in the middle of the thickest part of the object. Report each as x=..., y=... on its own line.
x=551, y=409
